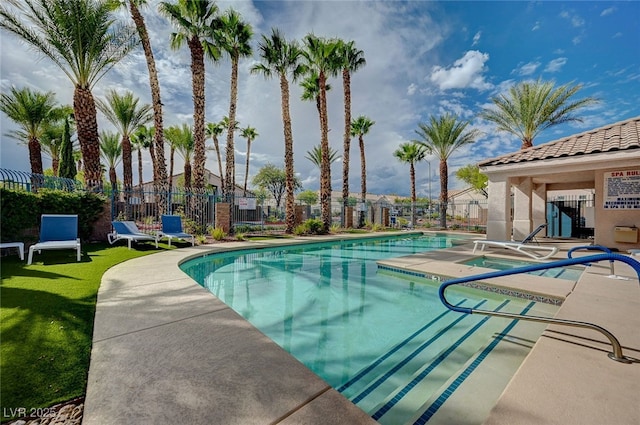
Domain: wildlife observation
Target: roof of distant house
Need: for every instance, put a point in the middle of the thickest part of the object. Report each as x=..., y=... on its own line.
x=620, y=136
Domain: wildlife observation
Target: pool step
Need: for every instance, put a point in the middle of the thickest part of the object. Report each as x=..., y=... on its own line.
x=417, y=384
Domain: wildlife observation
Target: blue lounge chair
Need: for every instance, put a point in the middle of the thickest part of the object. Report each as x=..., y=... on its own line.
x=57, y=231
x=538, y=252
x=172, y=229
x=129, y=231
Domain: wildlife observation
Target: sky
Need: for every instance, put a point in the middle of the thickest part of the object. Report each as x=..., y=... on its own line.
x=423, y=59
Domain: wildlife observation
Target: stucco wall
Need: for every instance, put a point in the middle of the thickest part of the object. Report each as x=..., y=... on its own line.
x=607, y=219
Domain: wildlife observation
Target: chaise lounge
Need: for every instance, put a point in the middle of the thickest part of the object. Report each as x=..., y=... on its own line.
x=129, y=231
x=538, y=252
x=172, y=229
x=57, y=231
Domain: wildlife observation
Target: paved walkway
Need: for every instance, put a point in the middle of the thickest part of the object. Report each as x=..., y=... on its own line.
x=165, y=350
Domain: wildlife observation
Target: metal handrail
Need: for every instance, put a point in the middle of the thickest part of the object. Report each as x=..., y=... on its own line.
x=615, y=344
x=593, y=248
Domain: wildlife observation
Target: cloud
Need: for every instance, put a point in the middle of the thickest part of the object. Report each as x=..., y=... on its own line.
x=476, y=38
x=555, y=65
x=608, y=11
x=527, y=68
x=466, y=72
x=575, y=19
x=411, y=90
x=536, y=26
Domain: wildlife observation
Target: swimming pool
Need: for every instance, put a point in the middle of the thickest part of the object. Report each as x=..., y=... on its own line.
x=383, y=340
x=568, y=273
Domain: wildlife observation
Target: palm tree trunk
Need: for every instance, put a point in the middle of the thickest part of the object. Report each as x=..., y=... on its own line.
x=412, y=173
x=55, y=165
x=246, y=172
x=127, y=168
x=114, y=180
x=444, y=192
x=325, y=168
x=217, y=146
x=140, y=182
x=84, y=108
x=35, y=155
x=290, y=214
x=197, y=72
x=363, y=179
x=230, y=157
x=346, y=83
x=170, y=177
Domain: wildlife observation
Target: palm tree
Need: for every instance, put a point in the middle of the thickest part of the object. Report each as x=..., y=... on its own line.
x=32, y=111
x=172, y=135
x=156, y=150
x=250, y=134
x=194, y=22
x=141, y=139
x=51, y=141
x=283, y=58
x=443, y=136
x=352, y=60
x=79, y=36
x=213, y=130
x=411, y=153
x=111, y=152
x=321, y=57
x=359, y=127
x=315, y=155
x=232, y=36
x=533, y=106
x=184, y=144
x=124, y=113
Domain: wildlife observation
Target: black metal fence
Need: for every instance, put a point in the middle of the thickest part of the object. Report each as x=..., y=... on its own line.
x=29, y=182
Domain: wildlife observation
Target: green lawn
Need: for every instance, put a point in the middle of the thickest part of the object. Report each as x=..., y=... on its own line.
x=46, y=322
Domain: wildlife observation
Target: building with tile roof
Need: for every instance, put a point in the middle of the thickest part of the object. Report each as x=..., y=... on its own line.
x=605, y=159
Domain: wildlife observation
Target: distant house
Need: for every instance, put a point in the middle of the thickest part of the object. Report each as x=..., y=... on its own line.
x=212, y=182
x=605, y=160
x=467, y=203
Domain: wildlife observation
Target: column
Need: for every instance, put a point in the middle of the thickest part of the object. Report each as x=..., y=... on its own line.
x=522, y=208
x=499, y=210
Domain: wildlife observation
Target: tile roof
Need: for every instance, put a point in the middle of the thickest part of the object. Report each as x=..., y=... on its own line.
x=613, y=137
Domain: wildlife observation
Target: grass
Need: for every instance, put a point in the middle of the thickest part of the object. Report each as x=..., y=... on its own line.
x=46, y=322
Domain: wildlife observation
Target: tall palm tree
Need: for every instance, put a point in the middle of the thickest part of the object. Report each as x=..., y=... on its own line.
x=411, y=153
x=311, y=90
x=282, y=58
x=352, y=60
x=80, y=37
x=194, y=20
x=141, y=139
x=213, y=130
x=32, y=111
x=157, y=148
x=172, y=136
x=359, y=127
x=315, y=155
x=111, y=152
x=250, y=134
x=321, y=57
x=126, y=115
x=184, y=144
x=533, y=106
x=442, y=136
x=232, y=36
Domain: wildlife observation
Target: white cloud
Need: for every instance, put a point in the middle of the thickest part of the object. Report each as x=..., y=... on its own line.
x=411, y=90
x=575, y=19
x=608, y=11
x=465, y=72
x=555, y=65
x=536, y=26
x=476, y=38
x=527, y=68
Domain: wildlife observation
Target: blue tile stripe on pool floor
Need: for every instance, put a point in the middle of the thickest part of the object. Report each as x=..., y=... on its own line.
x=373, y=365
x=417, y=351
x=384, y=409
x=422, y=420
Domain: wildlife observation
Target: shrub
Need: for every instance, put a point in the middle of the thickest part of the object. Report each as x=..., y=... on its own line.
x=218, y=233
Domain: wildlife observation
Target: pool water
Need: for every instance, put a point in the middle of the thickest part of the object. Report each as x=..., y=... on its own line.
x=378, y=338
x=568, y=273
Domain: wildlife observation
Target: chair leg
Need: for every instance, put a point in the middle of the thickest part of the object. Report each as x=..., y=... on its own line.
x=29, y=260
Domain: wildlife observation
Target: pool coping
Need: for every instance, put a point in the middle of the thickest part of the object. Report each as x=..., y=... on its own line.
x=160, y=340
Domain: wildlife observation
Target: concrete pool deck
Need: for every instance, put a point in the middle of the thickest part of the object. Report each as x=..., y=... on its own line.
x=165, y=350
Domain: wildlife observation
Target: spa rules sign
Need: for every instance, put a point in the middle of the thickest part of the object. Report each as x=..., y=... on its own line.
x=622, y=190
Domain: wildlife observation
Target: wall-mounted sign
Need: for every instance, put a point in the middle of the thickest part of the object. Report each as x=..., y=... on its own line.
x=622, y=190
x=247, y=203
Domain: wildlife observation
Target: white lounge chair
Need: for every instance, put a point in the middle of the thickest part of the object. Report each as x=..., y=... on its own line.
x=538, y=252
x=172, y=229
x=57, y=231
x=129, y=231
